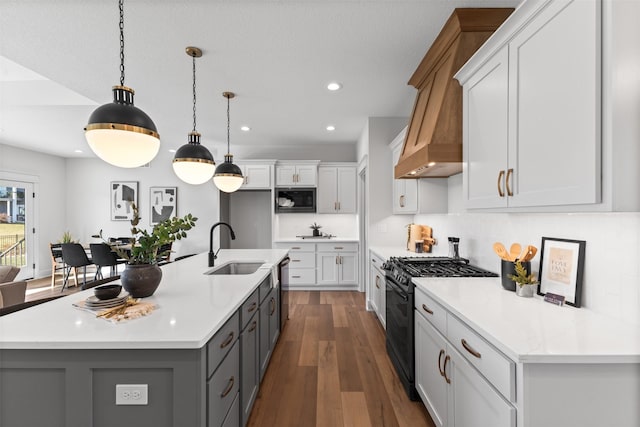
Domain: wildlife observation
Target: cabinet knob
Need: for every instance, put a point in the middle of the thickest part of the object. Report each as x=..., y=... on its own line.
x=444, y=369
x=508, y=181
x=500, y=190
x=470, y=349
x=229, y=387
x=439, y=362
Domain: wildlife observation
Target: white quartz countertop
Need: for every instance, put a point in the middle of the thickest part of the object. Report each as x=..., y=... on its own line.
x=315, y=240
x=530, y=330
x=386, y=252
x=191, y=307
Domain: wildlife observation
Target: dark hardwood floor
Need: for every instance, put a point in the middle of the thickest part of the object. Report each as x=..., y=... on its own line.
x=330, y=368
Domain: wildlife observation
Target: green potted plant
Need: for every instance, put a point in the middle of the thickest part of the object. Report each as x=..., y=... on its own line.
x=142, y=275
x=67, y=238
x=525, y=282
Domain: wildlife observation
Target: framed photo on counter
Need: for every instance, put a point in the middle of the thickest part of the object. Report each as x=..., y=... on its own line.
x=561, y=268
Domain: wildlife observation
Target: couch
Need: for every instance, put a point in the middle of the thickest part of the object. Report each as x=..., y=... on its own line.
x=11, y=292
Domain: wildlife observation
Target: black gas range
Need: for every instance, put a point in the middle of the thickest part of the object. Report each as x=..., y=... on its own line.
x=400, y=303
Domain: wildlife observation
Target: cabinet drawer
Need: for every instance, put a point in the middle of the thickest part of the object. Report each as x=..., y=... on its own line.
x=249, y=308
x=337, y=247
x=303, y=260
x=264, y=288
x=303, y=276
x=375, y=260
x=221, y=343
x=497, y=368
x=233, y=417
x=223, y=387
x=432, y=311
x=297, y=247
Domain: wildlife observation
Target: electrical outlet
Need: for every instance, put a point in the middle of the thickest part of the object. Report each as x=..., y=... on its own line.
x=132, y=394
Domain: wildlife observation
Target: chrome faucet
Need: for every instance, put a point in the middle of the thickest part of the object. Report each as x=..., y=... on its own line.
x=213, y=256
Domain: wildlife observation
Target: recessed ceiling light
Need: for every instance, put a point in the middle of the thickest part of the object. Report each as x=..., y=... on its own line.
x=77, y=151
x=333, y=86
x=172, y=150
x=331, y=128
x=245, y=128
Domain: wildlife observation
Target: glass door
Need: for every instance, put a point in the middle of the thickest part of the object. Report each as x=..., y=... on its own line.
x=16, y=217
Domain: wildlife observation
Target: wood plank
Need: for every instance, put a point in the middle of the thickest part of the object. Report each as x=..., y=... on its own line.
x=309, y=349
x=339, y=313
x=329, y=406
x=347, y=363
x=354, y=407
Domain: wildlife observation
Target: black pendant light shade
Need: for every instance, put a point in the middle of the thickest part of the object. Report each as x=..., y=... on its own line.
x=120, y=133
x=228, y=176
x=193, y=163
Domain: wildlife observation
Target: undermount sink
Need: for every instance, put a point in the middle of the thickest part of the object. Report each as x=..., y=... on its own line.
x=236, y=267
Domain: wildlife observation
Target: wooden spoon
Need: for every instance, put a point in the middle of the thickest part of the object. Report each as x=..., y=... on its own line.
x=514, y=251
x=532, y=251
x=501, y=251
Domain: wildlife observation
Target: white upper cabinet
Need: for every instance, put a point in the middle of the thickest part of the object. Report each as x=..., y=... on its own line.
x=531, y=118
x=296, y=175
x=405, y=191
x=256, y=176
x=337, y=189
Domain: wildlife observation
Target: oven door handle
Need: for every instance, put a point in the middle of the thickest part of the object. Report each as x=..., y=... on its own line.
x=402, y=295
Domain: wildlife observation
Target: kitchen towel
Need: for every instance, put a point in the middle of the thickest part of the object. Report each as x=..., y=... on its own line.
x=274, y=273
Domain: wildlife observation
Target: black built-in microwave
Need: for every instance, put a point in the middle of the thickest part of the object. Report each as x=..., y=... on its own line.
x=295, y=200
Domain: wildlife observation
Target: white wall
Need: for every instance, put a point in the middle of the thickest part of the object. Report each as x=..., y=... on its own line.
x=612, y=271
x=87, y=194
x=302, y=151
x=288, y=226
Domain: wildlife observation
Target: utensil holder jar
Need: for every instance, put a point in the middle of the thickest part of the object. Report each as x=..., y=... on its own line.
x=509, y=267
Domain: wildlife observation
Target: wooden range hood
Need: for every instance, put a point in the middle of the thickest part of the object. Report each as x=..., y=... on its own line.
x=433, y=145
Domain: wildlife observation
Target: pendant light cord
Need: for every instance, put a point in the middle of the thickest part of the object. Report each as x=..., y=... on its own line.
x=228, y=127
x=194, y=93
x=121, y=6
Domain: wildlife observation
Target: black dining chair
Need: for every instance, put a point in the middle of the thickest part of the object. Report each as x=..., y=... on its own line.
x=74, y=256
x=103, y=256
x=164, y=253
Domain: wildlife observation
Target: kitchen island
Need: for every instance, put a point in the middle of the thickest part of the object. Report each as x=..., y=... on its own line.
x=59, y=365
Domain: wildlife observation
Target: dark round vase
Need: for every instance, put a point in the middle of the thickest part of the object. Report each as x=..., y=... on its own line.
x=141, y=280
x=508, y=268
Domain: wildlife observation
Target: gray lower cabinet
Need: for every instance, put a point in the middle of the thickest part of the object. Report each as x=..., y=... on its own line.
x=212, y=386
x=249, y=367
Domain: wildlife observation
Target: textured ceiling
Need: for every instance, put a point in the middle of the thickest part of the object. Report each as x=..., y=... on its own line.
x=61, y=58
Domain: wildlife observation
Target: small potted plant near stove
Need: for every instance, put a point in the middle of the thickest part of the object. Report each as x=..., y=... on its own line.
x=525, y=282
x=316, y=229
x=142, y=275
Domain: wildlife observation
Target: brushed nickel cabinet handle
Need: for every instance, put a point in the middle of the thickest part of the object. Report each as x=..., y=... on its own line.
x=500, y=176
x=444, y=369
x=338, y=205
x=253, y=327
x=229, y=387
x=229, y=340
x=336, y=259
x=335, y=206
x=295, y=277
x=425, y=308
x=339, y=256
x=470, y=349
x=439, y=361
x=295, y=247
x=252, y=307
x=508, y=181
x=338, y=247
x=378, y=282
x=295, y=260
x=402, y=201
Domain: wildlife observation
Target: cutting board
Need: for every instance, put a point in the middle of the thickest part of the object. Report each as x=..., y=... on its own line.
x=419, y=232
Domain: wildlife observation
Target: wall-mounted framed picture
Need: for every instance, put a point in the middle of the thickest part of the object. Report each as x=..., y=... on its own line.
x=163, y=204
x=123, y=193
x=561, y=268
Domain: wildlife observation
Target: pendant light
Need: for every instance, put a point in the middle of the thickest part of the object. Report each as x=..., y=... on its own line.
x=120, y=133
x=193, y=163
x=228, y=177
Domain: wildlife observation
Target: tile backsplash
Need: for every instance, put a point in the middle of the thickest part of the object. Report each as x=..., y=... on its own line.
x=611, y=282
